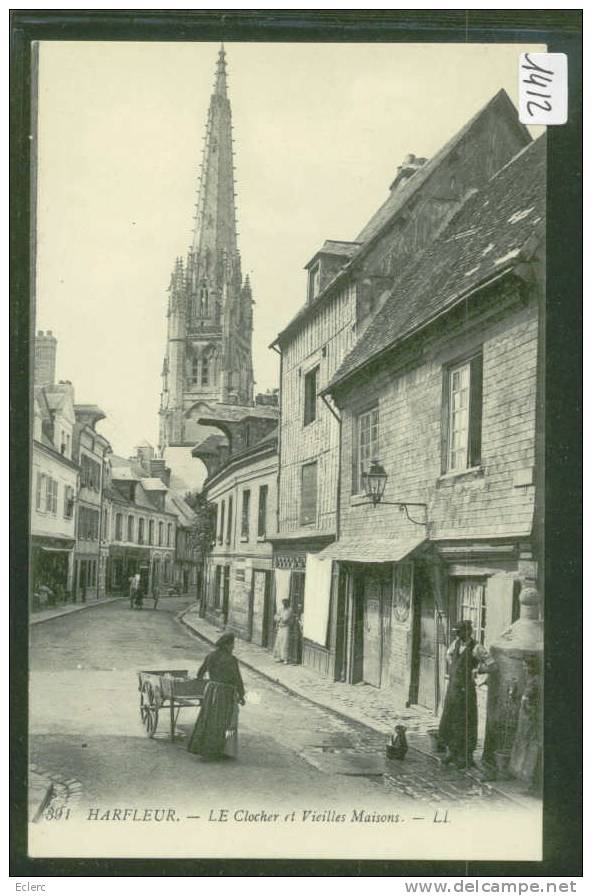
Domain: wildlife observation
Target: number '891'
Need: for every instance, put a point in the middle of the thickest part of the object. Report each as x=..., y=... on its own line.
x=59, y=813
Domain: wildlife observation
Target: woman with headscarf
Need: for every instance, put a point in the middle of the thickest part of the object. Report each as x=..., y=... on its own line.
x=215, y=735
x=283, y=620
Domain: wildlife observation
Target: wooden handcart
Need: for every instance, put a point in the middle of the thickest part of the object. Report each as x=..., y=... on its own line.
x=170, y=689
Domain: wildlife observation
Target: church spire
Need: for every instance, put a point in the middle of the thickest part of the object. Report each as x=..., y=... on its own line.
x=215, y=219
x=220, y=85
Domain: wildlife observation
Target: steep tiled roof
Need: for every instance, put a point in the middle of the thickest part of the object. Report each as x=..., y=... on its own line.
x=400, y=197
x=486, y=238
x=153, y=484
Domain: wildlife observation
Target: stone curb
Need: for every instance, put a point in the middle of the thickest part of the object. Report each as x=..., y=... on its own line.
x=67, y=610
x=367, y=723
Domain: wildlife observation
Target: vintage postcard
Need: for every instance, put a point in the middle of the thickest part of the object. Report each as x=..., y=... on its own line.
x=287, y=449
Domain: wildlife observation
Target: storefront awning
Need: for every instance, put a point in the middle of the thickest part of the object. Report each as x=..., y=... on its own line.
x=372, y=550
x=56, y=550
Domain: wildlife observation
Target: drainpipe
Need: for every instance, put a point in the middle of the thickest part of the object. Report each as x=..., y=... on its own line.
x=279, y=448
x=338, y=496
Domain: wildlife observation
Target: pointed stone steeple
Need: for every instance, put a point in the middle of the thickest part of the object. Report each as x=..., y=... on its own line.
x=215, y=220
x=209, y=343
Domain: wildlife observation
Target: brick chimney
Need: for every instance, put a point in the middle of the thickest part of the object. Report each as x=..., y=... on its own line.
x=407, y=169
x=45, y=358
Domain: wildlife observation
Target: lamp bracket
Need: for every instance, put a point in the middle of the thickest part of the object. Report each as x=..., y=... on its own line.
x=404, y=505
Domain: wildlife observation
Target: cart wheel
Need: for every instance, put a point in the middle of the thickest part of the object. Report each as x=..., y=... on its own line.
x=148, y=709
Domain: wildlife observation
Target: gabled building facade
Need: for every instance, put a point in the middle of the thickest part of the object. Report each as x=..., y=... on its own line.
x=54, y=484
x=348, y=284
x=241, y=488
x=442, y=401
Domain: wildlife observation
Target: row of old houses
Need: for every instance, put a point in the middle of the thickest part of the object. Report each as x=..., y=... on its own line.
x=96, y=518
x=397, y=488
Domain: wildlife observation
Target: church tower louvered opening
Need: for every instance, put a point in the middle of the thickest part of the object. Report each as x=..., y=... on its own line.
x=208, y=356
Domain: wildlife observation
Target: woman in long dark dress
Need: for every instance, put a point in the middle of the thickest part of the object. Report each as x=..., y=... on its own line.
x=215, y=734
x=458, y=724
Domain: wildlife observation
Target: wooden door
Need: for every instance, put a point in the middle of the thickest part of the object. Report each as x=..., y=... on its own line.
x=339, y=586
x=297, y=581
x=372, y=630
x=426, y=644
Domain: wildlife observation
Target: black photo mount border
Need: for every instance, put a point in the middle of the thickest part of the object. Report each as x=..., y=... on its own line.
x=561, y=30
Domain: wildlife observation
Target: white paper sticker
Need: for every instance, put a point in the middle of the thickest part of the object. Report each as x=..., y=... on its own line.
x=543, y=88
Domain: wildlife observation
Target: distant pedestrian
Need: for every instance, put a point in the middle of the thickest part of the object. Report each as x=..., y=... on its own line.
x=283, y=619
x=215, y=735
x=458, y=725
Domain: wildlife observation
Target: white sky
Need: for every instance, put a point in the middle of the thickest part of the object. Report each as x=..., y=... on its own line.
x=319, y=129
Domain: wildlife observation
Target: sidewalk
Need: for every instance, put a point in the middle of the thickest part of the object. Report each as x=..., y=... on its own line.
x=362, y=703
x=65, y=609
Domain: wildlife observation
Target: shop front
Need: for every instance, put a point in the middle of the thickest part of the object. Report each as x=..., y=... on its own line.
x=123, y=563
x=51, y=569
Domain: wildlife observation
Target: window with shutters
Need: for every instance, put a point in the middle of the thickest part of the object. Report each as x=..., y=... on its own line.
x=40, y=488
x=151, y=532
x=221, y=531
x=68, y=502
x=463, y=399
x=141, y=525
x=130, y=528
x=366, y=447
x=308, y=494
x=169, y=528
x=160, y=532
x=262, y=512
x=245, y=514
x=118, y=527
x=51, y=495
x=310, y=395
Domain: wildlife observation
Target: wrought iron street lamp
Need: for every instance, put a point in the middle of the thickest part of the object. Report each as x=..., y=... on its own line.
x=375, y=482
x=374, y=485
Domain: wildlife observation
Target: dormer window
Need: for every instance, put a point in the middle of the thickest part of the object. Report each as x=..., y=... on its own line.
x=314, y=282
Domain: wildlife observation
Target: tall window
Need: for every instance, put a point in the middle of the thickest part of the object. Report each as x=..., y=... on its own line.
x=471, y=605
x=141, y=524
x=221, y=532
x=40, y=486
x=151, y=532
x=169, y=528
x=310, y=395
x=105, y=526
x=194, y=371
x=463, y=400
x=229, y=521
x=68, y=502
x=51, y=495
x=130, y=528
x=366, y=448
x=160, y=531
x=262, y=512
x=308, y=494
x=245, y=513
x=205, y=372
x=118, y=527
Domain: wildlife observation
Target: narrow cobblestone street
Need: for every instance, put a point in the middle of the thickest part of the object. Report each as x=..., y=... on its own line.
x=92, y=734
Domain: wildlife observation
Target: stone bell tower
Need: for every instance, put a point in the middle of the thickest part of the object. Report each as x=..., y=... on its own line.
x=208, y=357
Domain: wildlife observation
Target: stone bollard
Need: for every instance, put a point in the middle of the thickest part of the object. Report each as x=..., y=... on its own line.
x=513, y=734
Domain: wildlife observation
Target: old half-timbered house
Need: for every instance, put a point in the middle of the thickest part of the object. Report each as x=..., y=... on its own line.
x=348, y=283
x=440, y=405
